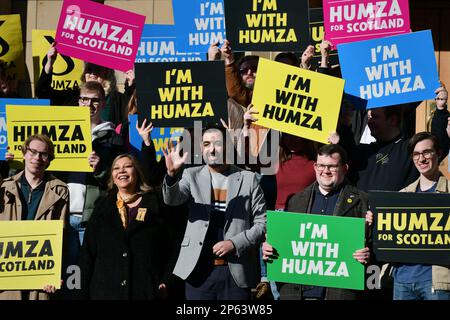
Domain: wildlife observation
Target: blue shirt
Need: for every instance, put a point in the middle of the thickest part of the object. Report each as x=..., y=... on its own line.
x=414, y=272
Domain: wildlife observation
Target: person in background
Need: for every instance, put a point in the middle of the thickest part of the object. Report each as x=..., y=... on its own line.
x=115, y=102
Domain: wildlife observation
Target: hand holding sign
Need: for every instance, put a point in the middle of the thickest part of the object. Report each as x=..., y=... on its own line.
x=362, y=255
x=94, y=160
x=267, y=251
x=227, y=53
x=214, y=51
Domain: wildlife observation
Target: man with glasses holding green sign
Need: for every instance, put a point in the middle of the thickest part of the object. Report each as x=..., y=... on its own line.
x=330, y=194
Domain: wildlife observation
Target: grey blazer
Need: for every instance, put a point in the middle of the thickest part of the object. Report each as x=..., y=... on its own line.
x=245, y=220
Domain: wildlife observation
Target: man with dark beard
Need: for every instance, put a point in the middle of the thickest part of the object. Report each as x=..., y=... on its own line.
x=226, y=222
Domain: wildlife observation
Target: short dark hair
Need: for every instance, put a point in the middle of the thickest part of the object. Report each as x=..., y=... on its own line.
x=43, y=138
x=415, y=139
x=329, y=149
x=94, y=86
x=289, y=56
x=222, y=130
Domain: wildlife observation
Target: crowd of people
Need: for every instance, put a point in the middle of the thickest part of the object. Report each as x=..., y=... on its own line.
x=139, y=228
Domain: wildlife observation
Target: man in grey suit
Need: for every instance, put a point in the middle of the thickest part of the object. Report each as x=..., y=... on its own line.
x=226, y=222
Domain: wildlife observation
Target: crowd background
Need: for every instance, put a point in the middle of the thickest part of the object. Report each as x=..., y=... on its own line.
x=160, y=11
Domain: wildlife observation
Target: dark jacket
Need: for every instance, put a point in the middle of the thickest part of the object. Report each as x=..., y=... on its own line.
x=439, y=128
x=119, y=264
x=116, y=100
x=351, y=203
x=107, y=144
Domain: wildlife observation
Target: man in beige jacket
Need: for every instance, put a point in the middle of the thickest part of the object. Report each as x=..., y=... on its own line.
x=33, y=194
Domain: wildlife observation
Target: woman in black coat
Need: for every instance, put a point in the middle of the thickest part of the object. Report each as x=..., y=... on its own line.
x=127, y=249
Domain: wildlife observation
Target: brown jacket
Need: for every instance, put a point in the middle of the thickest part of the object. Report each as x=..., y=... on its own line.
x=242, y=96
x=54, y=205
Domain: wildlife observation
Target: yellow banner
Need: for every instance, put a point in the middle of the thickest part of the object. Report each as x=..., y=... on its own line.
x=66, y=70
x=30, y=254
x=297, y=101
x=11, y=47
x=68, y=127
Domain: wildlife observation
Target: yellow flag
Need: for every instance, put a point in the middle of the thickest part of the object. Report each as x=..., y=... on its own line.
x=68, y=127
x=30, y=254
x=297, y=101
x=66, y=70
x=11, y=47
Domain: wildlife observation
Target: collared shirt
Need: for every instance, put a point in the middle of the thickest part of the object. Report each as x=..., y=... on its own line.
x=325, y=204
x=30, y=198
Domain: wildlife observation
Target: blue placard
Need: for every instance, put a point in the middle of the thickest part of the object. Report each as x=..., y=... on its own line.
x=160, y=136
x=3, y=132
x=392, y=70
x=198, y=24
x=158, y=45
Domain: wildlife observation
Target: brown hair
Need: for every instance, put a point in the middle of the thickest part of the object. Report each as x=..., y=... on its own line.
x=43, y=138
x=142, y=185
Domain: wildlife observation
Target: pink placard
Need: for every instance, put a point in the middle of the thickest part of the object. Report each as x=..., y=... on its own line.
x=99, y=34
x=356, y=20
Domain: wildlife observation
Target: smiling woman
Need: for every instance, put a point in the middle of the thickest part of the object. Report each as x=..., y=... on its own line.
x=127, y=251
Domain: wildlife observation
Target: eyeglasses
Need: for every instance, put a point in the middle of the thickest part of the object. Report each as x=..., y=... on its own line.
x=427, y=154
x=331, y=167
x=88, y=101
x=43, y=155
x=244, y=70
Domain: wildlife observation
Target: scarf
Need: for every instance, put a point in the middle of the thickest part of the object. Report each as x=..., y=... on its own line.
x=121, y=206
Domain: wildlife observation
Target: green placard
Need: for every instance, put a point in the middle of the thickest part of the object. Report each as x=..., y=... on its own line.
x=315, y=249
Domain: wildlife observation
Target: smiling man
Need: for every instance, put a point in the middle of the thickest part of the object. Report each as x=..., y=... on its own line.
x=330, y=194
x=33, y=194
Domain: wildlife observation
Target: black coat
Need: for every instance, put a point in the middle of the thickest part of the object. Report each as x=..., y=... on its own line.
x=119, y=264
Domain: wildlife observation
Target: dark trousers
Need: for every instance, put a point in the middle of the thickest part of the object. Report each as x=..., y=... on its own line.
x=218, y=285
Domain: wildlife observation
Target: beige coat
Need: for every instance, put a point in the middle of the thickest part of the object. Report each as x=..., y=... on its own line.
x=54, y=205
x=440, y=275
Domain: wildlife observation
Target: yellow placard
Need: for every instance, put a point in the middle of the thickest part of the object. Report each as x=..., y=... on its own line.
x=11, y=47
x=66, y=70
x=297, y=101
x=30, y=254
x=68, y=127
